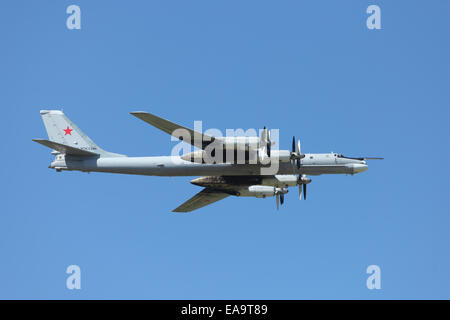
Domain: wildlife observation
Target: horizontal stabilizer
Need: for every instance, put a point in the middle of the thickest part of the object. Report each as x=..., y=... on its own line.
x=65, y=149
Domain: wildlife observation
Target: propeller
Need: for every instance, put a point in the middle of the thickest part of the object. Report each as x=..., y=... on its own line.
x=300, y=155
x=296, y=153
x=267, y=140
x=279, y=195
x=302, y=182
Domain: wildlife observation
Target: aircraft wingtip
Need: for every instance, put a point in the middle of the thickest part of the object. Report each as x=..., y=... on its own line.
x=50, y=112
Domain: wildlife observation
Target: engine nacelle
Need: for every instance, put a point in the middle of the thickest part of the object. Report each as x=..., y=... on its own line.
x=241, y=143
x=196, y=156
x=228, y=156
x=280, y=155
x=261, y=191
x=280, y=181
x=238, y=156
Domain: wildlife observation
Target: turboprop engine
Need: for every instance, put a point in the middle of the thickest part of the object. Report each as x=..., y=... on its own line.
x=265, y=191
x=261, y=191
x=280, y=155
x=234, y=156
x=237, y=156
x=290, y=180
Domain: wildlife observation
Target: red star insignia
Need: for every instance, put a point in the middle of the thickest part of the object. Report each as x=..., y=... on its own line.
x=68, y=131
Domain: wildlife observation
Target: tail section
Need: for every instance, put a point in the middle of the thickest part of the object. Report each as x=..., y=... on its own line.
x=65, y=149
x=63, y=132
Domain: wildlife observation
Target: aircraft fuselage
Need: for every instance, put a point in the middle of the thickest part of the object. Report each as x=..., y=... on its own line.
x=312, y=164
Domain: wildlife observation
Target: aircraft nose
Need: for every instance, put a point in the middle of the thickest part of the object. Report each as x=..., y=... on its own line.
x=359, y=167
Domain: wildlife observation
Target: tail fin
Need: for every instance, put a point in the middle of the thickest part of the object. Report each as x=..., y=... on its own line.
x=62, y=131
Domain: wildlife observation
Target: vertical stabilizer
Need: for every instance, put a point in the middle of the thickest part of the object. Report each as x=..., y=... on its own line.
x=63, y=131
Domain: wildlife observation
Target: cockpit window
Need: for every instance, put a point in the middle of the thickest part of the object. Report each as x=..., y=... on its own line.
x=339, y=155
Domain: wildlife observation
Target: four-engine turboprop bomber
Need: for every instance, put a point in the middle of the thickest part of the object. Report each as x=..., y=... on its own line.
x=254, y=169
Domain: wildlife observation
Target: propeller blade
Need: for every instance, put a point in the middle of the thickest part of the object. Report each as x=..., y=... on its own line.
x=278, y=201
x=304, y=192
x=293, y=144
x=299, y=151
x=298, y=163
x=266, y=138
x=300, y=191
x=282, y=198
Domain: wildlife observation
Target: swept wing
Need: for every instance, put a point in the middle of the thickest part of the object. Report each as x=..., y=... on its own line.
x=201, y=199
x=174, y=129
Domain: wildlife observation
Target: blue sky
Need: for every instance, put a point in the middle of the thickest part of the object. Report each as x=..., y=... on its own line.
x=310, y=68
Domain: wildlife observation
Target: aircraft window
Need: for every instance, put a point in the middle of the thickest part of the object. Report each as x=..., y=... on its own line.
x=311, y=157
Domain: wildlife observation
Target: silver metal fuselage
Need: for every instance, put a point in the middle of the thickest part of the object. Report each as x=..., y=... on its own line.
x=312, y=164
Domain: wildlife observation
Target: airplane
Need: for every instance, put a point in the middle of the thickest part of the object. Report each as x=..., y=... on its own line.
x=220, y=178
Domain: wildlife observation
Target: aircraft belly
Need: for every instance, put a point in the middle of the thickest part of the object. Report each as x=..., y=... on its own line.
x=163, y=166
